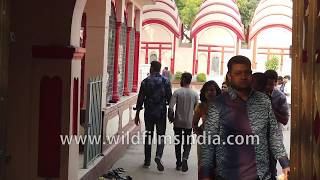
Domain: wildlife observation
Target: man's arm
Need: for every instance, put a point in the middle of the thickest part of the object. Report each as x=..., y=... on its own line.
x=283, y=119
x=208, y=153
x=196, y=100
x=140, y=101
x=283, y=105
x=276, y=142
x=168, y=91
x=172, y=103
x=280, y=108
x=195, y=121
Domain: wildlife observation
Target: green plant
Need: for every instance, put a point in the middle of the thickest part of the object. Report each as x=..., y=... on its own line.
x=201, y=77
x=177, y=75
x=272, y=63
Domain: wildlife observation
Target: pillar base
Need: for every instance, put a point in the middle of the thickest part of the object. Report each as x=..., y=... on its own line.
x=126, y=92
x=134, y=89
x=115, y=98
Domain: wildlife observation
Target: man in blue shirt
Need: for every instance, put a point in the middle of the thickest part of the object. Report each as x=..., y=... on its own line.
x=280, y=108
x=241, y=112
x=155, y=93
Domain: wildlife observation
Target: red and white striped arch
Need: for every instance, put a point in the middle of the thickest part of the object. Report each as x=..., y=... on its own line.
x=224, y=13
x=216, y=31
x=165, y=13
x=161, y=27
x=270, y=31
x=270, y=14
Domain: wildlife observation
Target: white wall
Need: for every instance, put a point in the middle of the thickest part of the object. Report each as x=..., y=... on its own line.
x=274, y=38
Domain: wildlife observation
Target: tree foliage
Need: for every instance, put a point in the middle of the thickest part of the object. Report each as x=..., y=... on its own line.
x=272, y=63
x=247, y=8
x=188, y=10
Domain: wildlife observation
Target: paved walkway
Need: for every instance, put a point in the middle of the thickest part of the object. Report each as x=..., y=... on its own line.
x=132, y=162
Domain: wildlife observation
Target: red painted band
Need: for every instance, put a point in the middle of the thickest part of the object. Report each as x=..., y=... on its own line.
x=273, y=14
x=272, y=5
x=162, y=22
x=252, y=35
x=166, y=3
x=220, y=3
x=218, y=23
x=217, y=12
x=175, y=19
x=211, y=45
x=155, y=42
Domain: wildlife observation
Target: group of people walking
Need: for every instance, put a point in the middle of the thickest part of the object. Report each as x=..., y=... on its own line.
x=244, y=106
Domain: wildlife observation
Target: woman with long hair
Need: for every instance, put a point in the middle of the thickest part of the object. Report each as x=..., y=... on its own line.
x=208, y=93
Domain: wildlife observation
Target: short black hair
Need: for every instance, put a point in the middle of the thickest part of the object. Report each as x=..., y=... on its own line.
x=156, y=66
x=185, y=78
x=238, y=60
x=205, y=87
x=280, y=78
x=287, y=77
x=166, y=68
x=271, y=74
x=260, y=79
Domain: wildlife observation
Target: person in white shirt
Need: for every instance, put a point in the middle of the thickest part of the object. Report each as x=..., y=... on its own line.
x=185, y=100
x=287, y=92
x=287, y=88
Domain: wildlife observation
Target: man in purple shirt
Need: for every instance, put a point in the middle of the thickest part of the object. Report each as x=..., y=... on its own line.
x=241, y=112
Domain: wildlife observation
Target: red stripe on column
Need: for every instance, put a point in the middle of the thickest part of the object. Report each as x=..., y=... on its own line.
x=194, y=54
x=254, y=64
x=160, y=53
x=126, y=91
x=115, y=93
x=281, y=62
x=136, y=61
x=171, y=65
x=237, y=46
x=49, y=145
x=222, y=61
x=196, y=70
x=147, y=54
x=83, y=62
x=174, y=55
